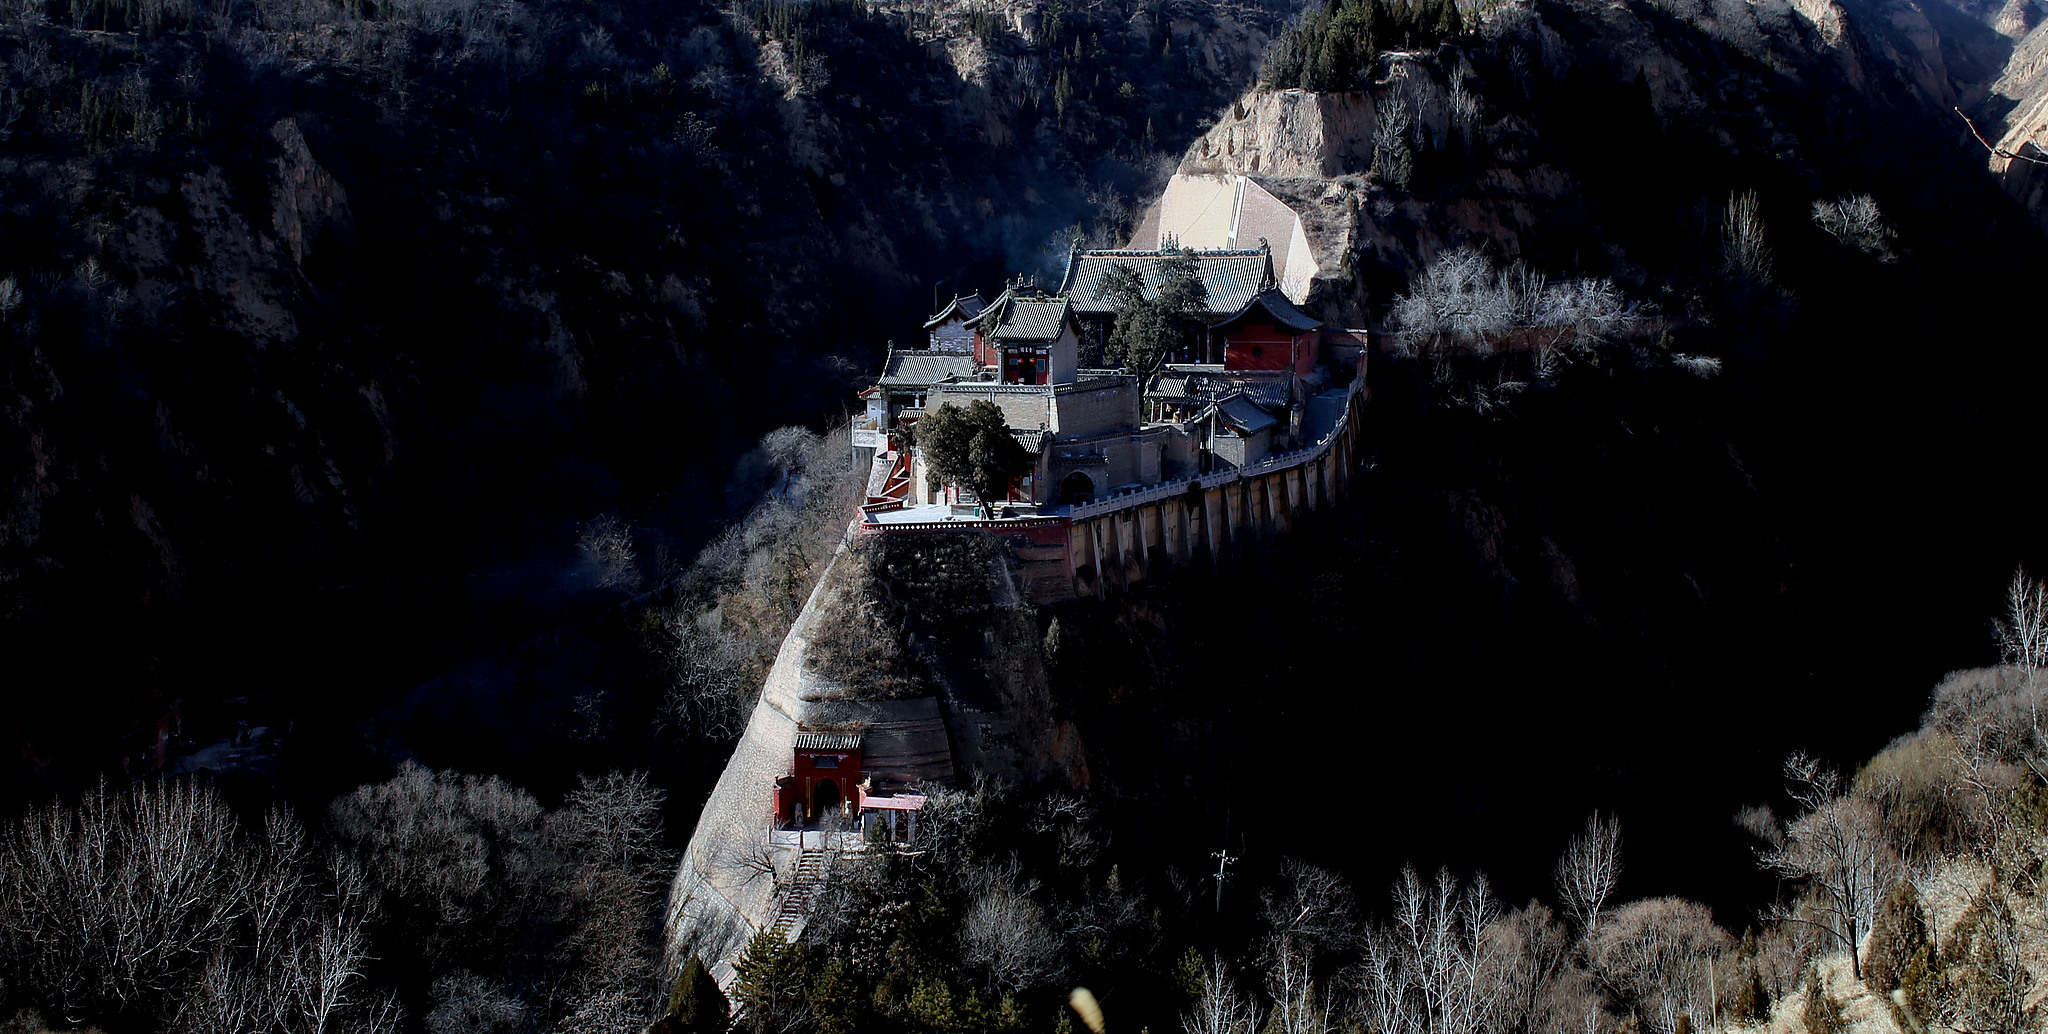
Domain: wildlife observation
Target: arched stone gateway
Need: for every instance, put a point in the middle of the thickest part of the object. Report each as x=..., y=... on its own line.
x=1077, y=488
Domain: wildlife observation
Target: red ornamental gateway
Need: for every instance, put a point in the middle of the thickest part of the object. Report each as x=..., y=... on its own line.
x=824, y=778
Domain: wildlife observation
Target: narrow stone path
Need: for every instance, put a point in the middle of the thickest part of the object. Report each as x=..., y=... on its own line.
x=803, y=889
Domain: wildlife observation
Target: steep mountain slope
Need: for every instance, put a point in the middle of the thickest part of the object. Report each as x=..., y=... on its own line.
x=336, y=326
x=1787, y=547
x=1533, y=137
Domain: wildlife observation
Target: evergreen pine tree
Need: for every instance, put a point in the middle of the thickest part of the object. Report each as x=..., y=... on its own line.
x=1919, y=983
x=1822, y=1014
x=697, y=1006
x=1749, y=1002
x=1009, y=1015
x=1748, y=948
x=1449, y=23
x=1896, y=937
x=931, y=1007
x=835, y=999
x=770, y=983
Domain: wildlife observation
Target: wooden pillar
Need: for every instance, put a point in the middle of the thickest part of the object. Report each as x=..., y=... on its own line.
x=1295, y=494
x=1277, y=488
x=1173, y=529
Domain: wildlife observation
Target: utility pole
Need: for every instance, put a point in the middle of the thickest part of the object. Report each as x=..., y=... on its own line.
x=1223, y=860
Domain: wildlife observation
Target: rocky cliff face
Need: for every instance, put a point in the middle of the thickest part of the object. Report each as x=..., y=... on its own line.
x=2021, y=128
x=1509, y=139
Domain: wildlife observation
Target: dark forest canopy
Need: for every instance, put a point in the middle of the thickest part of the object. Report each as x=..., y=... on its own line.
x=332, y=324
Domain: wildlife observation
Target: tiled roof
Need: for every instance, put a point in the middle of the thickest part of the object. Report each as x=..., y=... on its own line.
x=828, y=740
x=1243, y=415
x=1182, y=384
x=1232, y=277
x=966, y=308
x=916, y=367
x=1026, y=320
x=1274, y=304
x=1171, y=387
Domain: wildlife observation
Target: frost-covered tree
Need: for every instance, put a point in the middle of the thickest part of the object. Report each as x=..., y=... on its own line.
x=1589, y=871
x=1854, y=222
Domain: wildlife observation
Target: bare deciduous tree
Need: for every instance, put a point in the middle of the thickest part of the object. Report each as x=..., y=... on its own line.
x=1458, y=294
x=152, y=901
x=1744, y=248
x=1534, y=948
x=459, y=861
x=607, y=546
x=1656, y=955
x=1589, y=872
x=1220, y=1008
x=1005, y=933
x=1462, y=298
x=465, y=1003
x=786, y=449
x=1854, y=222
x=1837, y=850
x=1298, y=1005
x=2023, y=630
x=608, y=897
x=1436, y=970
x=1311, y=906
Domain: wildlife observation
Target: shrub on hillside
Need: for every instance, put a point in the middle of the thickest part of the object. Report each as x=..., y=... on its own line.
x=859, y=640
x=1821, y=1014
x=696, y=1006
x=1916, y=783
x=1897, y=938
x=1983, y=978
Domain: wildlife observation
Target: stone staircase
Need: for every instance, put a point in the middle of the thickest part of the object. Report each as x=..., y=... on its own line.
x=803, y=889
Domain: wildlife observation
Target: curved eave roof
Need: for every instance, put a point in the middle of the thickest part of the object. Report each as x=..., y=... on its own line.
x=967, y=307
x=1244, y=415
x=1030, y=321
x=828, y=740
x=1275, y=305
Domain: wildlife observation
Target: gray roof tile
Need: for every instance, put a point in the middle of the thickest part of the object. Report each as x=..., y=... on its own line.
x=1264, y=387
x=917, y=368
x=1276, y=305
x=1243, y=415
x=966, y=307
x=1232, y=277
x=808, y=740
x=1027, y=320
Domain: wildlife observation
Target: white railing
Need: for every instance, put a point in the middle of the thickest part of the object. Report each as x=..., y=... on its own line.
x=1167, y=489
